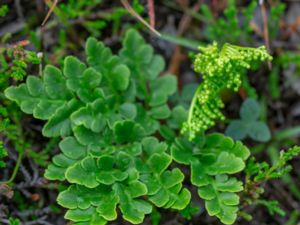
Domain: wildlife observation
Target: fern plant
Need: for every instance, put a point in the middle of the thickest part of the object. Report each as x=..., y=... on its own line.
x=120, y=137
x=108, y=152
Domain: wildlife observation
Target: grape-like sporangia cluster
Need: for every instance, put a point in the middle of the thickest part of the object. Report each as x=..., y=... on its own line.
x=220, y=69
x=110, y=112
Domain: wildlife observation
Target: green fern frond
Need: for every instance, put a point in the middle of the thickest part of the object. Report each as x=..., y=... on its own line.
x=221, y=69
x=107, y=112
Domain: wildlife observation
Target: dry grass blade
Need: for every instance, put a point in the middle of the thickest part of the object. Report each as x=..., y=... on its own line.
x=136, y=15
x=49, y=12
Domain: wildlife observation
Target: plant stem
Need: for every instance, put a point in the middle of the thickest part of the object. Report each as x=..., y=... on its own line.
x=193, y=104
x=15, y=171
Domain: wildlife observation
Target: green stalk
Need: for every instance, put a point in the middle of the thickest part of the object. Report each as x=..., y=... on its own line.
x=15, y=171
x=193, y=104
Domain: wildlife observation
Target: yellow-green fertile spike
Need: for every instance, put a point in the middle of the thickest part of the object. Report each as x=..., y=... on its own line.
x=220, y=69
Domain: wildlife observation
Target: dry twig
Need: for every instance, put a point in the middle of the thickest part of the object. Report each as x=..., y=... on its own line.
x=151, y=12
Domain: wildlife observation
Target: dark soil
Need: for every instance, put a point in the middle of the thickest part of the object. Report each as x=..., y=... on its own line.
x=32, y=199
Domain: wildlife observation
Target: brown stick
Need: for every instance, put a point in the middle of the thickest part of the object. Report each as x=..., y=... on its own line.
x=151, y=12
x=265, y=29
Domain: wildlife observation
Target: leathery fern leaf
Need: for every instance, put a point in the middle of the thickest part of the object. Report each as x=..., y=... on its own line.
x=212, y=160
